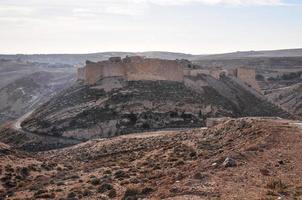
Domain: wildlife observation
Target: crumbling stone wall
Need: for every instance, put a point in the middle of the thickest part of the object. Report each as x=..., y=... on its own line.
x=196, y=72
x=134, y=68
x=246, y=75
x=249, y=77
x=233, y=72
x=139, y=68
x=95, y=71
x=81, y=73
x=197, y=82
x=111, y=69
x=215, y=73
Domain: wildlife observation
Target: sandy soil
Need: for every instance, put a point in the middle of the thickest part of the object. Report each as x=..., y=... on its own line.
x=246, y=158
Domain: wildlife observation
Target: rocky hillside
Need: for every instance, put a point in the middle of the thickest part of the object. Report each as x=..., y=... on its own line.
x=241, y=159
x=24, y=86
x=290, y=98
x=115, y=107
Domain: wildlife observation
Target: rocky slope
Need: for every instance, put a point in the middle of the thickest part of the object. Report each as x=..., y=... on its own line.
x=85, y=112
x=290, y=98
x=241, y=159
x=22, y=140
x=24, y=86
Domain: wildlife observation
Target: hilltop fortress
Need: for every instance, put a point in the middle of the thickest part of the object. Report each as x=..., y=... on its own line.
x=133, y=69
x=152, y=69
x=134, y=94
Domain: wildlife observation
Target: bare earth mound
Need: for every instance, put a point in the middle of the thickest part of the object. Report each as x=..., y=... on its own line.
x=240, y=159
x=86, y=112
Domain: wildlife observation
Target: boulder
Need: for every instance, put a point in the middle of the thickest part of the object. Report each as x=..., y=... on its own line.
x=229, y=162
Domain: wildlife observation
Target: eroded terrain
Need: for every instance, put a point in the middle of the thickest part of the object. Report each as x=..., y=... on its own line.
x=248, y=158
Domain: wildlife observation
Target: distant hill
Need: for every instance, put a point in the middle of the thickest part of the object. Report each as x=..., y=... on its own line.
x=252, y=62
x=253, y=54
x=74, y=59
x=288, y=58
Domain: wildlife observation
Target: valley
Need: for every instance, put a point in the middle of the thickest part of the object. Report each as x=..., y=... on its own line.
x=151, y=100
x=138, y=127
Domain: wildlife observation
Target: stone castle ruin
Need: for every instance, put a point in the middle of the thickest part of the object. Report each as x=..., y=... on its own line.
x=133, y=69
x=152, y=69
x=248, y=76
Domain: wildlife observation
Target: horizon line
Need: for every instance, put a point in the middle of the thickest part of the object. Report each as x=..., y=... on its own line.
x=155, y=51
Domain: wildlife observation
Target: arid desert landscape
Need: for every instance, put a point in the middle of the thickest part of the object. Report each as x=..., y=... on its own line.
x=151, y=100
x=138, y=127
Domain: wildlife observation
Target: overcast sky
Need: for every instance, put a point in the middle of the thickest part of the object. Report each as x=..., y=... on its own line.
x=189, y=26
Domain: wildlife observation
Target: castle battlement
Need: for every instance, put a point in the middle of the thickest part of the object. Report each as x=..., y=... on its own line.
x=136, y=68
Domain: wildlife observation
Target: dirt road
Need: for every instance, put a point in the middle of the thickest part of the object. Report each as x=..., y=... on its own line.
x=17, y=124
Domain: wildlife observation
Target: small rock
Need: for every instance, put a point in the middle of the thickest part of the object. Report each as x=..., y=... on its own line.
x=229, y=162
x=147, y=190
x=200, y=176
x=281, y=162
x=105, y=187
x=264, y=172
x=112, y=193
x=174, y=190
x=95, y=181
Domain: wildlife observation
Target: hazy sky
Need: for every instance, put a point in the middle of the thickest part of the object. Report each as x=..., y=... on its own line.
x=190, y=26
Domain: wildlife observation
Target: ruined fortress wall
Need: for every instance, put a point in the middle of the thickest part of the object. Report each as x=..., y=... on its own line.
x=216, y=73
x=187, y=72
x=232, y=72
x=112, y=69
x=196, y=72
x=154, y=69
x=138, y=68
x=81, y=73
x=96, y=71
x=93, y=72
x=249, y=77
x=195, y=83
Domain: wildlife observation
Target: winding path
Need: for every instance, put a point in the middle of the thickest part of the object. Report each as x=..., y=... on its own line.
x=46, y=140
x=17, y=124
x=64, y=142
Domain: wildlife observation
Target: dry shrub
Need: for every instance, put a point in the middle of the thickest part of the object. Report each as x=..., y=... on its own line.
x=277, y=185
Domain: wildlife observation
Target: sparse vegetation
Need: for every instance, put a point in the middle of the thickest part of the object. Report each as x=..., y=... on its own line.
x=159, y=165
x=132, y=192
x=105, y=187
x=95, y=181
x=277, y=185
